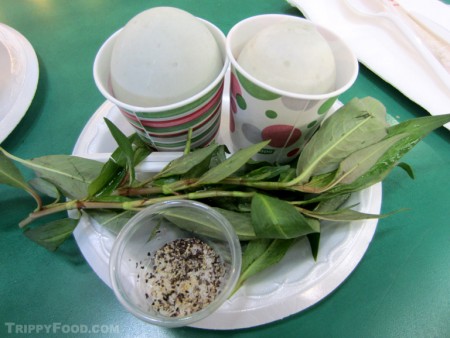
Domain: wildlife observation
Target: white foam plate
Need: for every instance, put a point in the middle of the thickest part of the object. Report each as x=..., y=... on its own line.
x=294, y=284
x=19, y=71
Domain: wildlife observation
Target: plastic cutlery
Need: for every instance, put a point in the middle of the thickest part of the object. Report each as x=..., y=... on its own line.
x=435, y=28
x=390, y=10
x=438, y=46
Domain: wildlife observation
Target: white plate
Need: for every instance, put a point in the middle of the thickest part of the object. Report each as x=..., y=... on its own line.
x=19, y=71
x=385, y=51
x=291, y=286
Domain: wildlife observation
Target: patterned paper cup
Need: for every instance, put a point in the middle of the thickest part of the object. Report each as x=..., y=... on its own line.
x=261, y=112
x=166, y=127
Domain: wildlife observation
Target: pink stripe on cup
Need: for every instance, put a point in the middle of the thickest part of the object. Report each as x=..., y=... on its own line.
x=213, y=115
x=187, y=118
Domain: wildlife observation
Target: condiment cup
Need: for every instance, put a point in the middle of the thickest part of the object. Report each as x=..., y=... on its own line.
x=152, y=228
x=165, y=128
x=261, y=112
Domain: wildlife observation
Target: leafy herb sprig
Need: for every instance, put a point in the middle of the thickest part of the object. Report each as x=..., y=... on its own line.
x=271, y=206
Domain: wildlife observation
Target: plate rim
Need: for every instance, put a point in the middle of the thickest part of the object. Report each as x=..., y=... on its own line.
x=28, y=88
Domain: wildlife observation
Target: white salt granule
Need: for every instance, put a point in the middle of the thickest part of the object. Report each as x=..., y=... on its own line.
x=183, y=277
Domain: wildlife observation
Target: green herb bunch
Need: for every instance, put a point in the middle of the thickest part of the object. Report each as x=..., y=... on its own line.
x=271, y=206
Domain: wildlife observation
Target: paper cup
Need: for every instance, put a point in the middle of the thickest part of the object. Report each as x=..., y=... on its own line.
x=261, y=112
x=165, y=128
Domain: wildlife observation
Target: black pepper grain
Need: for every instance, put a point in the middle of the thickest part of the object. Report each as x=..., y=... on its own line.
x=185, y=276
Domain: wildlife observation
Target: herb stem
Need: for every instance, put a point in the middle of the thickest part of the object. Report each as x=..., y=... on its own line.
x=255, y=184
x=138, y=204
x=187, y=149
x=70, y=205
x=129, y=205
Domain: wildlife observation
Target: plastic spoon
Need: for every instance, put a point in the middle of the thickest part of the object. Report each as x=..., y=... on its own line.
x=383, y=10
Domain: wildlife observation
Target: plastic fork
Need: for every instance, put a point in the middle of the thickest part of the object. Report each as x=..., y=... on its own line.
x=406, y=24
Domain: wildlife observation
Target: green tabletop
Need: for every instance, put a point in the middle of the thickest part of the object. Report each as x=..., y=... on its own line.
x=401, y=288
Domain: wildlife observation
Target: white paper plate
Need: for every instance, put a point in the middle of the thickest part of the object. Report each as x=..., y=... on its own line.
x=19, y=71
x=385, y=51
x=291, y=286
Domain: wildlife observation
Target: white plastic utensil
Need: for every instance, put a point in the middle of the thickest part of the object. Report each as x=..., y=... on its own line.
x=441, y=32
x=437, y=45
x=415, y=33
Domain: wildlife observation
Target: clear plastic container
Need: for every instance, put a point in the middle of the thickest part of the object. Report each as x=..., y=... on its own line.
x=152, y=228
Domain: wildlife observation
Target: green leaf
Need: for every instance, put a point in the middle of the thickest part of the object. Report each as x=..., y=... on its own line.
x=275, y=218
x=166, y=181
x=140, y=148
x=231, y=164
x=110, y=219
x=114, y=171
x=112, y=174
x=45, y=187
x=241, y=222
x=139, y=144
x=329, y=205
x=354, y=126
x=419, y=127
x=233, y=204
x=122, y=140
x=70, y=174
x=109, y=179
x=407, y=168
x=125, y=145
x=320, y=182
x=361, y=161
x=189, y=220
x=415, y=130
x=202, y=167
x=10, y=174
x=345, y=215
x=266, y=173
x=287, y=175
x=53, y=234
x=332, y=204
x=218, y=156
x=260, y=254
x=249, y=166
x=187, y=162
x=155, y=231
x=314, y=243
